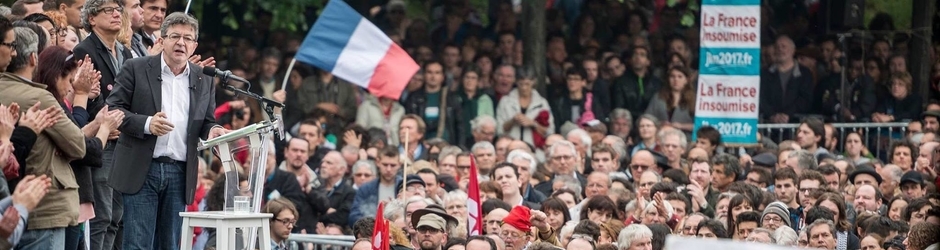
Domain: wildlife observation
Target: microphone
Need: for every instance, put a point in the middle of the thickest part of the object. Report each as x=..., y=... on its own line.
x=214, y=72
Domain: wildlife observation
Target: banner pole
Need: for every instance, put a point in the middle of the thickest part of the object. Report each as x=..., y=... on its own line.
x=290, y=67
x=188, y=3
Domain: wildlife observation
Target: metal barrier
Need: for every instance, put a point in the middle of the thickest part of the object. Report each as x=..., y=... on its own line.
x=330, y=242
x=876, y=136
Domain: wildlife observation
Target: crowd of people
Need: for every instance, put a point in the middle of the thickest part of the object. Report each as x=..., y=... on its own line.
x=97, y=135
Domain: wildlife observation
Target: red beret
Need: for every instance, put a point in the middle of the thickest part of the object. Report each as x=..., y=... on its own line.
x=519, y=218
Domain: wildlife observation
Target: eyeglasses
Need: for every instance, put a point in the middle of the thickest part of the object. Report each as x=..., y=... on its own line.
x=110, y=10
x=11, y=44
x=638, y=167
x=363, y=175
x=287, y=222
x=772, y=219
x=507, y=236
x=463, y=167
x=177, y=37
x=562, y=157
x=425, y=230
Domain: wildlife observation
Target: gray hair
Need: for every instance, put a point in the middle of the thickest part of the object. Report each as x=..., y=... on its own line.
x=631, y=233
x=620, y=113
x=666, y=132
x=483, y=145
x=653, y=119
x=394, y=210
x=448, y=151
x=820, y=222
x=5, y=11
x=585, y=138
x=651, y=206
x=179, y=18
x=456, y=195
x=367, y=164
x=481, y=120
x=619, y=146
x=806, y=160
x=570, y=183
x=561, y=143
x=27, y=44
x=785, y=236
x=415, y=199
x=894, y=171
x=93, y=8
x=521, y=154
x=770, y=234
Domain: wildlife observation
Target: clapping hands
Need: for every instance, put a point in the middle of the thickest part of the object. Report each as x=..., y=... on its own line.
x=87, y=78
x=40, y=119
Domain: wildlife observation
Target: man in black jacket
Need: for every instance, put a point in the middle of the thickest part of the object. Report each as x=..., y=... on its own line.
x=311, y=204
x=336, y=188
x=634, y=90
x=434, y=106
x=860, y=93
x=786, y=88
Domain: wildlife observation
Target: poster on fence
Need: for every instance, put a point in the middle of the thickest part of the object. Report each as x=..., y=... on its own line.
x=728, y=90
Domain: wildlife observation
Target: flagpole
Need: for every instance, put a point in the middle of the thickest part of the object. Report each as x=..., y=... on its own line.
x=188, y=3
x=404, y=167
x=290, y=67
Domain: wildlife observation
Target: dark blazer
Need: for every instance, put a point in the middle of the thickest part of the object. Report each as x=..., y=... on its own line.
x=417, y=103
x=138, y=94
x=341, y=199
x=546, y=186
x=797, y=99
x=625, y=92
x=95, y=49
x=861, y=97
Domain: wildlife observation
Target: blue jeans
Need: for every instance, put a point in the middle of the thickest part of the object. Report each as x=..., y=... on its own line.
x=73, y=236
x=108, y=205
x=42, y=239
x=151, y=216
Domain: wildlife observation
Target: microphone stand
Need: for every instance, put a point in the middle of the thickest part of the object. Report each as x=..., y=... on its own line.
x=266, y=104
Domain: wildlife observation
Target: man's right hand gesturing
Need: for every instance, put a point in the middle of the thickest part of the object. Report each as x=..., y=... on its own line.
x=159, y=125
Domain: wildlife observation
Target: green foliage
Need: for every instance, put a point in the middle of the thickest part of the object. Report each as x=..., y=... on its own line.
x=900, y=11
x=285, y=14
x=688, y=14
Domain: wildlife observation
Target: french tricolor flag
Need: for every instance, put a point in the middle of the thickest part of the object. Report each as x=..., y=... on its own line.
x=353, y=49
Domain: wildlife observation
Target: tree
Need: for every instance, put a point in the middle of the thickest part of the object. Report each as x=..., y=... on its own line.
x=289, y=15
x=533, y=41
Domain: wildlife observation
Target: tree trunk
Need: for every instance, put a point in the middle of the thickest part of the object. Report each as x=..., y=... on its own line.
x=533, y=41
x=920, y=64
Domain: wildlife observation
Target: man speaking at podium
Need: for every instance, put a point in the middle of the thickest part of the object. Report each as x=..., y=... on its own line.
x=168, y=104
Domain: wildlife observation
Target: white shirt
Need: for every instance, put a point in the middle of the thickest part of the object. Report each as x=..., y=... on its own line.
x=175, y=104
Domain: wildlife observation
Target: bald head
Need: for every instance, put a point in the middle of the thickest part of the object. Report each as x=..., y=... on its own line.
x=521, y=145
x=696, y=153
x=551, y=139
x=643, y=160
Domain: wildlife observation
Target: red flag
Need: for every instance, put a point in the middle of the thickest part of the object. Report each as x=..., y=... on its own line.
x=475, y=218
x=380, y=230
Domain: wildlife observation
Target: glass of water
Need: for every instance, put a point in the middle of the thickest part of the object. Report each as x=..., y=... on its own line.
x=241, y=204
